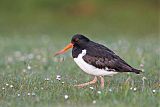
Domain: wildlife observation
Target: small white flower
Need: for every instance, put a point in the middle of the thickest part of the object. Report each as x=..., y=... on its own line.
x=11, y=86
x=110, y=90
x=144, y=78
x=46, y=79
x=99, y=92
x=62, y=82
x=94, y=102
x=33, y=94
x=134, y=89
x=91, y=88
x=153, y=91
x=142, y=70
x=18, y=95
x=29, y=94
x=141, y=65
x=7, y=84
x=58, y=77
x=29, y=67
x=66, y=97
x=131, y=88
x=3, y=88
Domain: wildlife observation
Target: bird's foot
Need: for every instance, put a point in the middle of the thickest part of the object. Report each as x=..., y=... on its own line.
x=88, y=83
x=80, y=85
x=102, y=82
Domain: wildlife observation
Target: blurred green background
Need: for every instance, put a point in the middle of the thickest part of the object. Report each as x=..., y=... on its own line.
x=32, y=30
x=58, y=18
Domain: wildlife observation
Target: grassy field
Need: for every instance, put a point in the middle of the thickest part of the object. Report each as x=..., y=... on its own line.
x=32, y=31
x=29, y=74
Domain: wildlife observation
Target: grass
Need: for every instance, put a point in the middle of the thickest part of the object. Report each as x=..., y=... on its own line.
x=28, y=73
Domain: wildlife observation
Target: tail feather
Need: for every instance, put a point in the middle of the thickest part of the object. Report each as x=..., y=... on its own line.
x=137, y=71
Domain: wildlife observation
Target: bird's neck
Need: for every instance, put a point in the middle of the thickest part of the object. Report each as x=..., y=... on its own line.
x=76, y=51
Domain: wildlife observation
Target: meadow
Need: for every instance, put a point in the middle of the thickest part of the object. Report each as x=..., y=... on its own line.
x=31, y=76
x=31, y=31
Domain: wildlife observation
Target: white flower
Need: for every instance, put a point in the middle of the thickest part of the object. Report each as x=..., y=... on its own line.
x=153, y=91
x=131, y=88
x=3, y=88
x=141, y=65
x=62, y=82
x=33, y=94
x=135, y=89
x=94, y=102
x=29, y=94
x=42, y=88
x=18, y=95
x=11, y=86
x=91, y=88
x=7, y=84
x=58, y=77
x=110, y=90
x=144, y=78
x=66, y=97
x=99, y=92
x=29, y=67
x=46, y=79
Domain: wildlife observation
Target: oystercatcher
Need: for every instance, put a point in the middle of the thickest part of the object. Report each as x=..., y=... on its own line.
x=96, y=59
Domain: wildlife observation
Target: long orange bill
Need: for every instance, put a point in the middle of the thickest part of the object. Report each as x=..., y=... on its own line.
x=64, y=50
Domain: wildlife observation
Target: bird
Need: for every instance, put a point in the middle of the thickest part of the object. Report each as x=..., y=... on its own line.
x=96, y=59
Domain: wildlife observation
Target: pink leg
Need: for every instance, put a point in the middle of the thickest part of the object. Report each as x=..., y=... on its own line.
x=102, y=82
x=88, y=83
x=109, y=82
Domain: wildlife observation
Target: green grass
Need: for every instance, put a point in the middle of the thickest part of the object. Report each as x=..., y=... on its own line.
x=19, y=53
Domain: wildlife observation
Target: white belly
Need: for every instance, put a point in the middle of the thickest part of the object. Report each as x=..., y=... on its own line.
x=91, y=69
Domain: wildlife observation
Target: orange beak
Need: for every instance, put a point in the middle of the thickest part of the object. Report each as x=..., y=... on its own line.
x=64, y=50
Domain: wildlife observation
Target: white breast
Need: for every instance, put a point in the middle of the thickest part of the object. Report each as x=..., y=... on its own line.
x=91, y=69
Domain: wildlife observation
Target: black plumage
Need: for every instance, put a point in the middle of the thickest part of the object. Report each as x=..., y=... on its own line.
x=99, y=56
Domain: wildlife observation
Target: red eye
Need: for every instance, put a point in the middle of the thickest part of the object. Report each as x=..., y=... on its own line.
x=76, y=39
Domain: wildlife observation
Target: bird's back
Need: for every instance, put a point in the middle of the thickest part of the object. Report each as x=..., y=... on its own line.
x=100, y=56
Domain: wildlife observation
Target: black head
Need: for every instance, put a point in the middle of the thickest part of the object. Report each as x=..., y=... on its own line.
x=79, y=40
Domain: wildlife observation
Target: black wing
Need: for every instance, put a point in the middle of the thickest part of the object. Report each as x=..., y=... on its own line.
x=102, y=57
